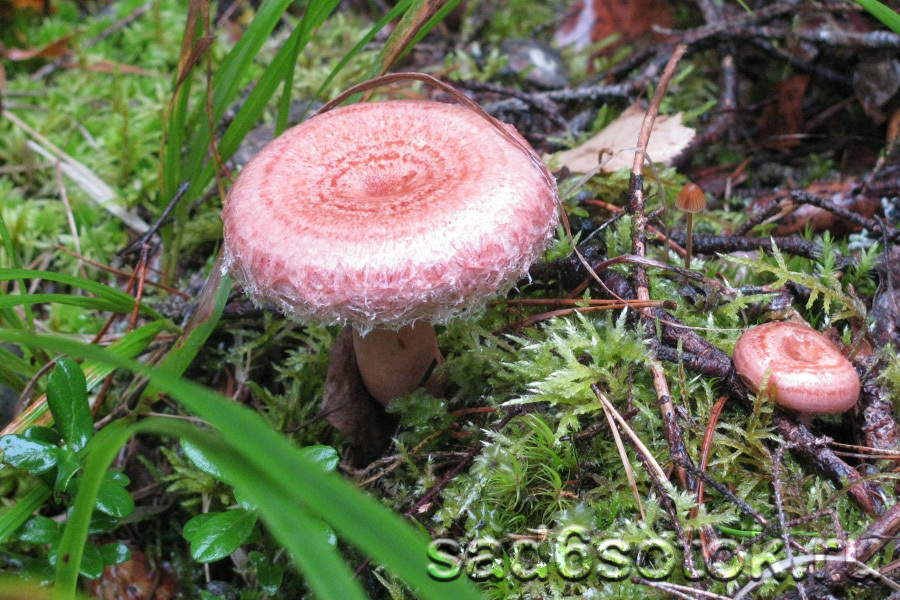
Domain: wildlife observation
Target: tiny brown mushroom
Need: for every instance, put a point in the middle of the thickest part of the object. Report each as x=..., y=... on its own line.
x=691, y=200
x=389, y=216
x=806, y=373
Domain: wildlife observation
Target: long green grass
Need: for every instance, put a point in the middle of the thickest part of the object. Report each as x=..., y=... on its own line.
x=292, y=494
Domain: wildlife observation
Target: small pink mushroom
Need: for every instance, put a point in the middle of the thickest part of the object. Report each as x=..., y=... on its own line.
x=389, y=216
x=807, y=374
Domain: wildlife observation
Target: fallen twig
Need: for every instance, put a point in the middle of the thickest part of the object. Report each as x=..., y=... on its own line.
x=672, y=428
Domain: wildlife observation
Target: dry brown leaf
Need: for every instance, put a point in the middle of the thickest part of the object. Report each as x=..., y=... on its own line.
x=593, y=20
x=668, y=139
x=138, y=577
x=781, y=123
x=52, y=50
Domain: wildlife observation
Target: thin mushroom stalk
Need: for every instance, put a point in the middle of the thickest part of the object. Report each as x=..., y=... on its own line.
x=689, y=245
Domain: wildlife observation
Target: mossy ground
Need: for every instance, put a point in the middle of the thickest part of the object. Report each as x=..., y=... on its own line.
x=553, y=462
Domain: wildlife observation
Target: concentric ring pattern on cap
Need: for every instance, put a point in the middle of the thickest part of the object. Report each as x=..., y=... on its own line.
x=379, y=214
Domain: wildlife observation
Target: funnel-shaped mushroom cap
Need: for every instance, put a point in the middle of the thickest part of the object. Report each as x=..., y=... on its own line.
x=382, y=213
x=806, y=372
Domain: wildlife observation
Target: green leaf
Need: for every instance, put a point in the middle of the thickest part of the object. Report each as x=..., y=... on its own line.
x=68, y=465
x=91, y=562
x=39, y=530
x=195, y=455
x=114, y=553
x=243, y=502
x=219, y=535
x=189, y=530
x=32, y=455
x=268, y=575
x=42, y=434
x=113, y=499
x=101, y=523
x=131, y=345
x=68, y=401
x=326, y=456
x=13, y=517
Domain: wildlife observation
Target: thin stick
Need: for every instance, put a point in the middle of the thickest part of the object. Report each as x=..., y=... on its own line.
x=672, y=428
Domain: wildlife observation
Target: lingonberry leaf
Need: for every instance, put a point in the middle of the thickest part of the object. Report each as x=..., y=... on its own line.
x=220, y=535
x=39, y=530
x=32, y=455
x=68, y=402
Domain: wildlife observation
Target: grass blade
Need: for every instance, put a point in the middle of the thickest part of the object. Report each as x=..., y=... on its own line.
x=325, y=571
x=11, y=317
x=315, y=15
x=370, y=35
x=21, y=511
x=421, y=17
x=386, y=537
x=887, y=16
x=115, y=300
x=129, y=346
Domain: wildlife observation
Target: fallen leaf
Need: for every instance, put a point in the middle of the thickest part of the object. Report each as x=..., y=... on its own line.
x=844, y=194
x=137, y=578
x=782, y=121
x=668, y=139
x=590, y=21
x=52, y=50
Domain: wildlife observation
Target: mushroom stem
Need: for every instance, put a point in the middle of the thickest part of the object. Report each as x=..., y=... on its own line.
x=395, y=363
x=689, y=245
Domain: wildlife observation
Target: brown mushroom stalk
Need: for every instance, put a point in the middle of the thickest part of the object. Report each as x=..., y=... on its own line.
x=389, y=217
x=691, y=200
x=395, y=363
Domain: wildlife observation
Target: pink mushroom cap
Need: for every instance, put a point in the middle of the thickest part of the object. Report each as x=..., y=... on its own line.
x=806, y=372
x=380, y=214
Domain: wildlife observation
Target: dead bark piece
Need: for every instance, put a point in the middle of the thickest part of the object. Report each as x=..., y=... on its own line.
x=886, y=303
x=862, y=548
x=348, y=407
x=711, y=244
x=876, y=409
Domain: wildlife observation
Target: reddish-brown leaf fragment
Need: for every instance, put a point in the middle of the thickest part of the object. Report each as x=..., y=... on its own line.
x=590, y=21
x=52, y=50
x=136, y=579
x=782, y=121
